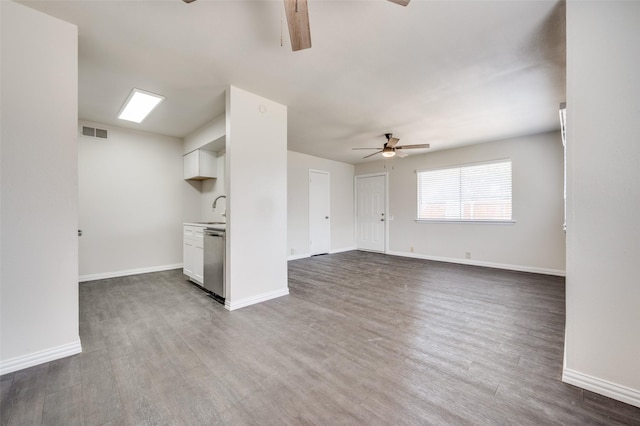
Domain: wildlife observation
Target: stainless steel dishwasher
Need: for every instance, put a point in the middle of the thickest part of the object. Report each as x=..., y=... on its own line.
x=214, y=254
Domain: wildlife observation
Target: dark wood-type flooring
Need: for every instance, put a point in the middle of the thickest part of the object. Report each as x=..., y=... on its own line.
x=362, y=339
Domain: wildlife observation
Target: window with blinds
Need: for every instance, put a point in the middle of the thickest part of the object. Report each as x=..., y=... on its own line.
x=479, y=192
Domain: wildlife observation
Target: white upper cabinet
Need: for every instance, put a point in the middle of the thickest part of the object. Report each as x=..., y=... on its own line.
x=200, y=165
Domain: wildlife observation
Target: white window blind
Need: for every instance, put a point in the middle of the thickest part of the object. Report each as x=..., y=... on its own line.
x=479, y=192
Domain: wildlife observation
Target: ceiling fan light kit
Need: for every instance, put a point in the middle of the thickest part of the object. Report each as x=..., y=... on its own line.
x=390, y=148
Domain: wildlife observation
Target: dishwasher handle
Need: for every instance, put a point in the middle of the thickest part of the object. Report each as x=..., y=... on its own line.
x=213, y=233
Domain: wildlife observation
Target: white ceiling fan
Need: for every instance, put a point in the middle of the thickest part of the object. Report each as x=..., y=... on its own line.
x=298, y=21
x=391, y=148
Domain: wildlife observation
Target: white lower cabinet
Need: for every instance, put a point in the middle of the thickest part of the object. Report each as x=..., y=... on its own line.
x=198, y=270
x=193, y=253
x=188, y=257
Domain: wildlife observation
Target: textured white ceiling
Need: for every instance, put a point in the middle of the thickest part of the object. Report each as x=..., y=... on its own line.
x=447, y=73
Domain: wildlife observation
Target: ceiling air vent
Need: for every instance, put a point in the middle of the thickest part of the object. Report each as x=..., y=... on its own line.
x=94, y=132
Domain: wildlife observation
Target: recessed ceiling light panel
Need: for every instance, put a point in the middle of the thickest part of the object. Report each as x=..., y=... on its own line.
x=138, y=105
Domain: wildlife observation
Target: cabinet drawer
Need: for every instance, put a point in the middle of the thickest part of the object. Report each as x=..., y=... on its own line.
x=198, y=235
x=189, y=231
x=194, y=233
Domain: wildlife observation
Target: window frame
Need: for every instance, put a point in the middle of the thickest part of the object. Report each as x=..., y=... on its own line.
x=463, y=221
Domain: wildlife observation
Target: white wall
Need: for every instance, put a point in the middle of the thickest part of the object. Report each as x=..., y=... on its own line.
x=210, y=189
x=256, y=181
x=212, y=131
x=133, y=200
x=341, y=203
x=39, y=222
x=535, y=242
x=211, y=136
x=602, y=349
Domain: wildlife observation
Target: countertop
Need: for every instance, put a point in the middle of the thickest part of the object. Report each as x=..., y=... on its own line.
x=209, y=225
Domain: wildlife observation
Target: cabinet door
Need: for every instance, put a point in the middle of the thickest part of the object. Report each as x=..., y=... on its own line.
x=200, y=164
x=188, y=257
x=198, y=256
x=198, y=264
x=191, y=165
x=207, y=163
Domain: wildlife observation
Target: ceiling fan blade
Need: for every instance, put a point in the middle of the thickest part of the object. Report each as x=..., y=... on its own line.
x=298, y=22
x=392, y=142
x=400, y=2
x=401, y=154
x=371, y=155
x=424, y=145
x=365, y=148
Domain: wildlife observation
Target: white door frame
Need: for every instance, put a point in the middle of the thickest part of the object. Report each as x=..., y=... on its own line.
x=386, y=206
x=324, y=172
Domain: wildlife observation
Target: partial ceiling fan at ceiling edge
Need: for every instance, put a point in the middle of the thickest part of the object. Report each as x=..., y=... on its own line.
x=400, y=2
x=298, y=22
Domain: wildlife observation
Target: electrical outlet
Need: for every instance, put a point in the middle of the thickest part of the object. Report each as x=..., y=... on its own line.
x=411, y=249
x=468, y=255
x=293, y=251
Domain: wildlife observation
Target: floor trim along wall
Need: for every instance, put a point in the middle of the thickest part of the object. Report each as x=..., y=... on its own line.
x=105, y=275
x=519, y=268
x=603, y=387
x=305, y=255
x=342, y=250
x=297, y=256
x=40, y=357
x=233, y=305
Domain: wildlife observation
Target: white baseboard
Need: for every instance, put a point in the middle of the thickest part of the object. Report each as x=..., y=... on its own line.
x=343, y=249
x=40, y=357
x=298, y=256
x=305, y=255
x=519, y=268
x=116, y=274
x=602, y=387
x=247, y=301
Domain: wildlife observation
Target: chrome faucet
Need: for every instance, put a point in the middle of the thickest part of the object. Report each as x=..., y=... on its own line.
x=213, y=206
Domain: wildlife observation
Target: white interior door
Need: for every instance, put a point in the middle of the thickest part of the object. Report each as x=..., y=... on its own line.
x=319, y=220
x=370, y=212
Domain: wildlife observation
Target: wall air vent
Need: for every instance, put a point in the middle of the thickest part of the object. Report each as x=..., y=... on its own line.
x=88, y=131
x=94, y=132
